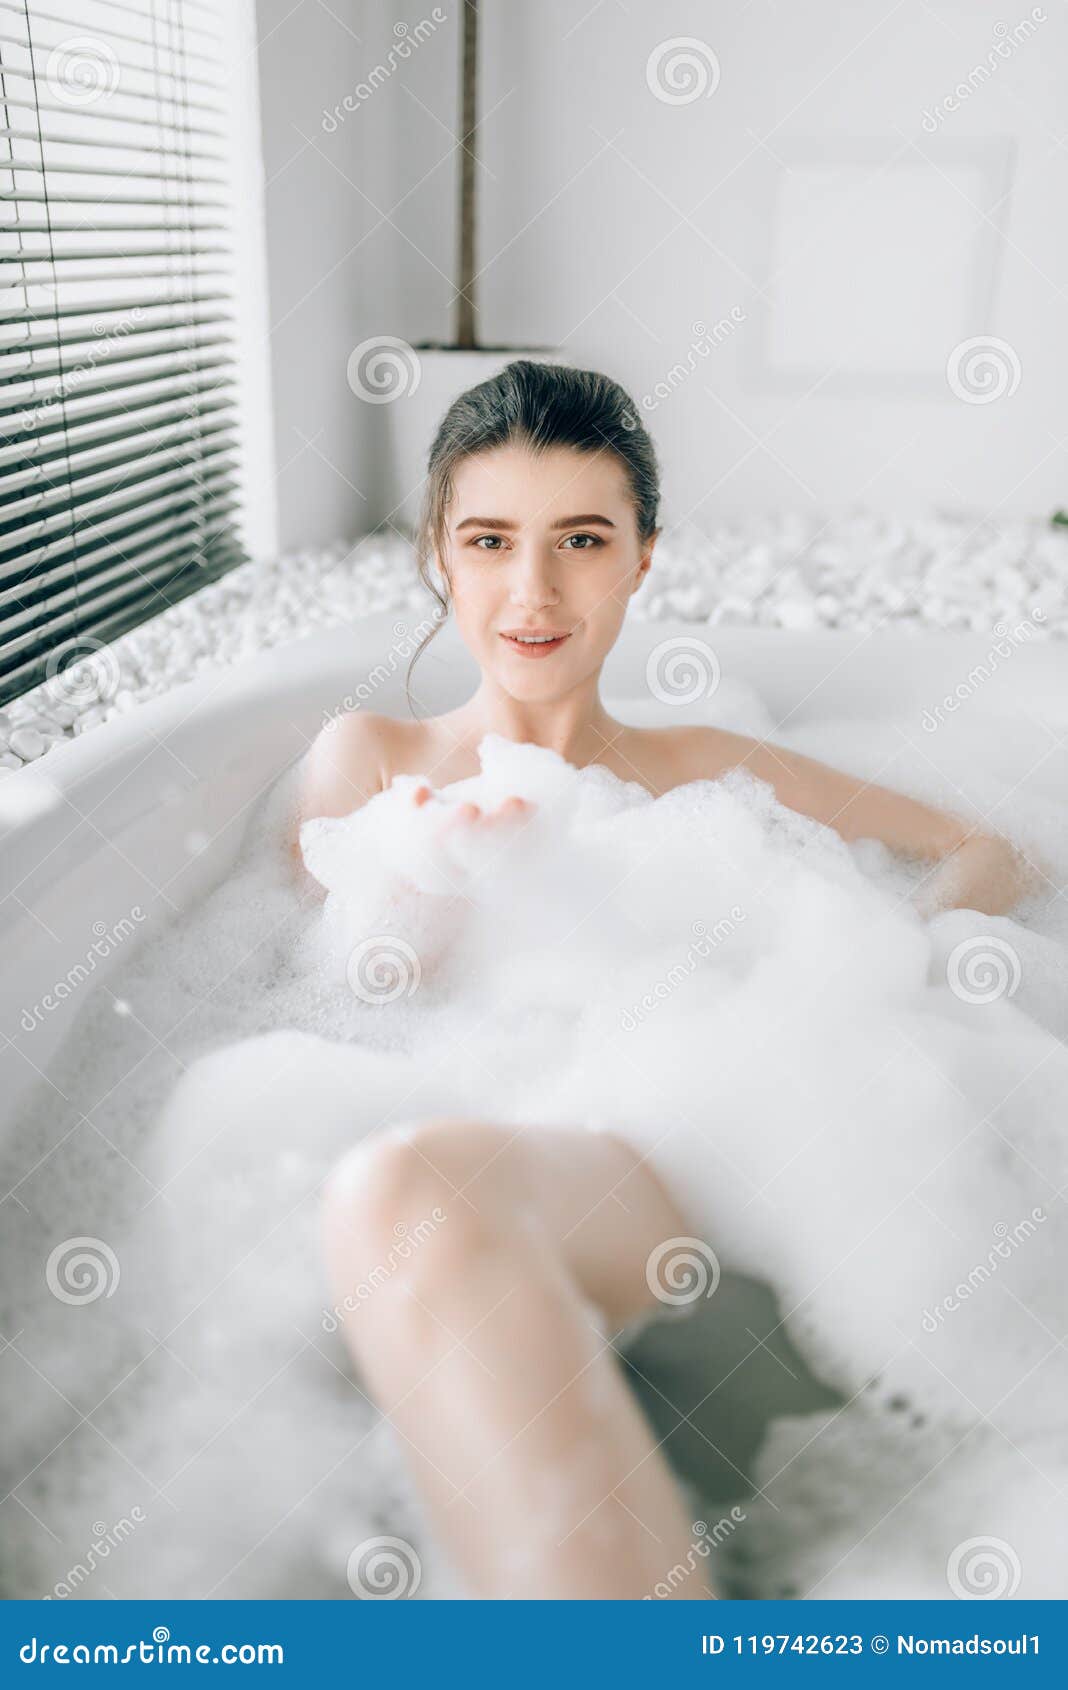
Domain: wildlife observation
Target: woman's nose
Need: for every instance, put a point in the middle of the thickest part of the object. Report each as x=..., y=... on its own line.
x=532, y=581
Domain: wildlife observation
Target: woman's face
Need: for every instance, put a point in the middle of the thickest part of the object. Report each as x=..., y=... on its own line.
x=542, y=544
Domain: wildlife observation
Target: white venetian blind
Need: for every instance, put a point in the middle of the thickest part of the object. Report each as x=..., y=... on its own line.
x=118, y=491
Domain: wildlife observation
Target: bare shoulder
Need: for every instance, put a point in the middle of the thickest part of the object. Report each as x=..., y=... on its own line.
x=802, y=783
x=347, y=763
x=704, y=753
x=855, y=807
x=669, y=757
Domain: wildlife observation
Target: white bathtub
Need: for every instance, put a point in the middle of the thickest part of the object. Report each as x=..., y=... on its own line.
x=129, y=799
x=129, y=795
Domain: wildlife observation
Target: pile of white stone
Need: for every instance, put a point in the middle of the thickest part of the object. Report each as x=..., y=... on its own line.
x=855, y=572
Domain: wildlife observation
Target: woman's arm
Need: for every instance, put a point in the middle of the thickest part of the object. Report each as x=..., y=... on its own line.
x=984, y=873
x=974, y=868
x=349, y=764
x=340, y=772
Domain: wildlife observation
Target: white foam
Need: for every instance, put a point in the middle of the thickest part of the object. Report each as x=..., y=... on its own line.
x=747, y=998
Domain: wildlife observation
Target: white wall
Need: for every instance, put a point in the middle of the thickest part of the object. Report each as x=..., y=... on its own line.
x=335, y=262
x=855, y=248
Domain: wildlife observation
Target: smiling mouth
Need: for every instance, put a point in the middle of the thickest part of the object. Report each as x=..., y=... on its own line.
x=535, y=645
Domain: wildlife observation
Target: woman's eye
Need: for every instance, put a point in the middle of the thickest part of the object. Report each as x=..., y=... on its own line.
x=495, y=542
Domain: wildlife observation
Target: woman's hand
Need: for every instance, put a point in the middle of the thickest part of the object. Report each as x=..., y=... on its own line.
x=464, y=836
x=465, y=815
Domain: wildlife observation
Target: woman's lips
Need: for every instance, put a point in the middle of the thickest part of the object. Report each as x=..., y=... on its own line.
x=541, y=649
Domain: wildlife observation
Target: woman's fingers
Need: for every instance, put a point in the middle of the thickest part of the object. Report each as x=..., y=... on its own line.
x=467, y=814
x=510, y=809
x=421, y=795
x=462, y=814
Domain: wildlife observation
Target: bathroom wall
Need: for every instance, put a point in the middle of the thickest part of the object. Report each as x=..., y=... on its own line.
x=336, y=260
x=778, y=225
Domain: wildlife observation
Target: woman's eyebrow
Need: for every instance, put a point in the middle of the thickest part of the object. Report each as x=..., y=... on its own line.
x=564, y=522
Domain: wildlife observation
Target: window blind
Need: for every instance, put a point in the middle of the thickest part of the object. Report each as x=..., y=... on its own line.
x=118, y=429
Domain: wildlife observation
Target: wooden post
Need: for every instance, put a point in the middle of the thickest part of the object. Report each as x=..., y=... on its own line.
x=466, y=314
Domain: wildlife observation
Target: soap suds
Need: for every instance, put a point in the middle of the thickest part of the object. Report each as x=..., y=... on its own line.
x=729, y=985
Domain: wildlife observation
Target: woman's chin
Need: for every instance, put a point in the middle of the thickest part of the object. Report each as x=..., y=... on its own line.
x=530, y=678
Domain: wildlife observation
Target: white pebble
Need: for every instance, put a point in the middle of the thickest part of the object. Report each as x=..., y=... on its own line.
x=27, y=743
x=789, y=570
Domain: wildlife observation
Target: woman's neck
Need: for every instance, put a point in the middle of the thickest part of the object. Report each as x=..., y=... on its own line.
x=577, y=726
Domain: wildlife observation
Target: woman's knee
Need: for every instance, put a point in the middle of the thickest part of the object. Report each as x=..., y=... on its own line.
x=420, y=1199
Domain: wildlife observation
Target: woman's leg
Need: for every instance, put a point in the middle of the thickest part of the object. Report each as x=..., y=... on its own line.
x=489, y=1349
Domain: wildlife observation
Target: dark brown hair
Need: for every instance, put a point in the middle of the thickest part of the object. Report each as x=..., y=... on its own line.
x=538, y=406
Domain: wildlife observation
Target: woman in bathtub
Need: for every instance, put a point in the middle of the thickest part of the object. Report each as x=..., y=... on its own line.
x=491, y=1351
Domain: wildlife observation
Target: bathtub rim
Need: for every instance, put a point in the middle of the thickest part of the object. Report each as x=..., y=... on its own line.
x=95, y=770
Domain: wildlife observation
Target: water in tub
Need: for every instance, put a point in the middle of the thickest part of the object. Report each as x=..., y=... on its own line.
x=862, y=1110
